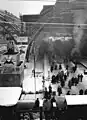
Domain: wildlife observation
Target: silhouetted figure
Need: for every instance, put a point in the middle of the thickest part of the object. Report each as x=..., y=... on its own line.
x=67, y=73
x=65, y=77
x=81, y=92
x=67, y=67
x=50, y=89
x=59, y=90
x=69, y=84
x=74, y=68
x=47, y=108
x=46, y=94
x=76, y=81
x=85, y=92
x=62, y=83
x=51, y=69
x=57, y=78
x=53, y=108
x=37, y=103
x=53, y=100
x=60, y=66
x=55, y=67
x=61, y=75
x=53, y=79
x=81, y=77
x=78, y=77
x=68, y=92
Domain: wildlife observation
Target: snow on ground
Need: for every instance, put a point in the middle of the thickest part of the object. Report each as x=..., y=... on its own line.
x=31, y=96
x=74, y=89
x=83, y=84
x=29, y=81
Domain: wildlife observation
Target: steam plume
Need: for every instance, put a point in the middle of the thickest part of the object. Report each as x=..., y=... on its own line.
x=80, y=17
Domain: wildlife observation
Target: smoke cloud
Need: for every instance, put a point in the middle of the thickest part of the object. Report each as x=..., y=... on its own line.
x=79, y=17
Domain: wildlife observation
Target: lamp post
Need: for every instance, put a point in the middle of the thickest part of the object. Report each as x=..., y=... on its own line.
x=43, y=81
x=34, y=71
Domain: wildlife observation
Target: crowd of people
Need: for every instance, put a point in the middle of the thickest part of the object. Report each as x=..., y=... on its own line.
x=50, y=103
x=50, y=108
x=64, y=76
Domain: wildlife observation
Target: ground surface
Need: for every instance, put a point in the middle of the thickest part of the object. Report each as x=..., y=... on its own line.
x=30, y=82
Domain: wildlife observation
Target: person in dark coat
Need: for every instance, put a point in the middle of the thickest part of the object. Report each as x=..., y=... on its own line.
x=60, y=67
x=62, y=83
x=47, y=108
x=78, y=77
x=72, y=81
x=81, y=92
x=69, y=84
x=50, y=89
x=37, y=103
x=65, y=77
x=53, y=79
x=68, y=92
x=67, y=67
x=55, y=67
x=53, y=100
x=85, y=92
x=51, y=69
x=46, y=94
x=74, y=68
x=76, y=81
x=59, y=90
x=81, y=77
x=53, y=108
x=57, y=78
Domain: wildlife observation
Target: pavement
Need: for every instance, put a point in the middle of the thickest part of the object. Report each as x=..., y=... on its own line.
x=30, y=82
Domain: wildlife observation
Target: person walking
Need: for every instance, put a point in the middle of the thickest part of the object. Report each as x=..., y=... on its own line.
x=53, y=108
x=50, y=90
x=36, y=105
x=46, y=93
x=51, y=69
x=81, y=77
x=47, y=108
x=59, y=90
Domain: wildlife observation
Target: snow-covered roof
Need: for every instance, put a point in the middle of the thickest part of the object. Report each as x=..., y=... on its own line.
x=76, y=99
x=9, y=96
